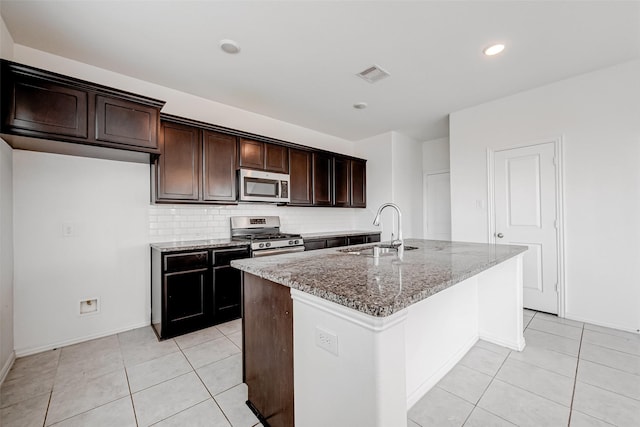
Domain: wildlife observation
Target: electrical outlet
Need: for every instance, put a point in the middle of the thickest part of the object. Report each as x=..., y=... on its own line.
x=327, y=340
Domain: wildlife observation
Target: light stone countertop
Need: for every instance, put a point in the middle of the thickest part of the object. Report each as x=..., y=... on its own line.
x=189, y=245
x=384, y=287
x=329, y=234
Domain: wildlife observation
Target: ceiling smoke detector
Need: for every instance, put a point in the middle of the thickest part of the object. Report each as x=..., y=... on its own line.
x=373, y=74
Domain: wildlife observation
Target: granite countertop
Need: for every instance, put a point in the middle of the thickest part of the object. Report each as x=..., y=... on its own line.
x=384, y=287
x=329, y=234
x=196, y=244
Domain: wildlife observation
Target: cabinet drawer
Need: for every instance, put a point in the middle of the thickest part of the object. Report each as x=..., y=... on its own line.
x=223, y=257
x=186, y=261
x=336, y=242
x=371, y=238
x=357, y=240
x=310, y=245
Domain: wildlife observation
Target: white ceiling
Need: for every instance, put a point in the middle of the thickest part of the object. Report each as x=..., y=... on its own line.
x=299, y=58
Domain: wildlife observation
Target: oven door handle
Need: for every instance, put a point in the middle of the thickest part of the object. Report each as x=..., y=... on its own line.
x=266, y=252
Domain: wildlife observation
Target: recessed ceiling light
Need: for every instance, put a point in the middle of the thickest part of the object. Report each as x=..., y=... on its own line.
x=494, y=50
x=229, y=46
x=360, y=105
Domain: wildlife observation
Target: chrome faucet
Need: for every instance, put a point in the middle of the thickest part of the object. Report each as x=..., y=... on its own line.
x=398, y=244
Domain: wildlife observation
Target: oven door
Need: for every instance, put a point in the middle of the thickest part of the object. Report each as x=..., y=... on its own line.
x=277, y=251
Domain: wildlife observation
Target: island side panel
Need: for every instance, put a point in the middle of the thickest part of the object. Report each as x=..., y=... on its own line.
x=500, y=304
x=267, y=351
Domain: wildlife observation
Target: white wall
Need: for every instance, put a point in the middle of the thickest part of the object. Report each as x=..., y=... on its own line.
x=107, y=256
x=394, y=174
x=6, y=232
x=598, y=117
x=435, y=155
x=6, y=258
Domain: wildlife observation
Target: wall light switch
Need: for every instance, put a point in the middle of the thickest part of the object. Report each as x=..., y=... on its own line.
x=327, y=340
x=67, y=229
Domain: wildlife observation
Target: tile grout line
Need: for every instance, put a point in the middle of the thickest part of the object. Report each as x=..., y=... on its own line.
x=205, y=386
x=133, y=405
x=575, y=380
x=46, y=413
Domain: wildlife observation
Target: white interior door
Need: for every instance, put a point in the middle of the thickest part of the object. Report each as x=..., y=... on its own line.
x=526, y=214
x=438, y=206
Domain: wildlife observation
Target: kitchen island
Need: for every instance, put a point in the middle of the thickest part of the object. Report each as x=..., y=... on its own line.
x=338, y=337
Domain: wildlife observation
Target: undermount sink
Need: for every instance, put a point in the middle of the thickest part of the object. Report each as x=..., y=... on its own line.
x=383, y=250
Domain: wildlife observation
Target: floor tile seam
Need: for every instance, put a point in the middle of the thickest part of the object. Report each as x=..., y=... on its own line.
x=456, y=395
x=593, y=416
x=575, y=378
x=636, y=336
x=85, y=380
x=534, y=393
x=408, y=417
x=493, y=378
x=492, y=351
x=88, y=410
x=557, y=322
x=179, y=412
x=27, y=398
x=492, y=413
x=150, y=360
x=614, y=368
x=204, y=342
x=555, y=350
x=197, y=344
x=614, y=349
x=207, y=389
x=610, y=391
x=552, y=333
x=133, y=405
x=212, y=363
x=46, y=412
x=543, y=368
x=161, y=382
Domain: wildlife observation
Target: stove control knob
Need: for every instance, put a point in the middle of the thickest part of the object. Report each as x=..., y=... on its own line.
x=268, y=244
x=261, y=245
x=297, y=242
x=290, y=242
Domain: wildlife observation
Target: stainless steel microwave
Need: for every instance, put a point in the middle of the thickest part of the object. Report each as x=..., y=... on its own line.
x=260, y=186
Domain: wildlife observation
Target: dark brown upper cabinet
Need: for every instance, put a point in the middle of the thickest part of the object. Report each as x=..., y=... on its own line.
x=263, y=156
x=178, y=168
x=219, y=167
x=196, y=165
x=341, y=182
x=300, y=174
x=322, y=179
x=39, y=105
x=358, y=183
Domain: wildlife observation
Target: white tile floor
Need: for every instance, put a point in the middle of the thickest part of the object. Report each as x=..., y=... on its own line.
x=569, y=374
x=131, y=379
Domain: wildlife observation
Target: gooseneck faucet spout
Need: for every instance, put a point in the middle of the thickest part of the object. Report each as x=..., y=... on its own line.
x=397, y=243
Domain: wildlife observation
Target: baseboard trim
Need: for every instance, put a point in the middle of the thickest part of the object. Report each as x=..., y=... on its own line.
x=7, y=367
x=28, y=351
x=518, y=345
x=427, y=385
x=604, y=324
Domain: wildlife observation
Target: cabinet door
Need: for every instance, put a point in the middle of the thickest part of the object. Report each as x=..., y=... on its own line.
x=301, y=186
x=341, y=181
x=251, y=154
x=219, y=167
x=48, y=108
x=178, y=165
x=276, y=158
x=310, y=245
x=372, y=238
x=358, y=184
x=356, y=240
x=322, y=179
x=186, y=301
x=126, y=122
x=336, y=242
x=227, y=293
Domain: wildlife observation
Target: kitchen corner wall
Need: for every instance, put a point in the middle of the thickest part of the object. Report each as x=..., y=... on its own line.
x=597, y=115
x=6, y=258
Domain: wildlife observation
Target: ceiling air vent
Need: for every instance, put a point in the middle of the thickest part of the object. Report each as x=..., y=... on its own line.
x=373, y=74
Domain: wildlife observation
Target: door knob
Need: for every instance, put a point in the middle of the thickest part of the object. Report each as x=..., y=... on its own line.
x=499, y=235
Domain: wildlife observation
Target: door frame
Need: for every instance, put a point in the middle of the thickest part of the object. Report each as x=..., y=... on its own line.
x=560, y=233
x=425, y=176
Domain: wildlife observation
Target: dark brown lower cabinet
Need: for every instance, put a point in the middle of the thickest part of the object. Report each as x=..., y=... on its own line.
x=337, y=241
x=267, y=350
x=194, y=289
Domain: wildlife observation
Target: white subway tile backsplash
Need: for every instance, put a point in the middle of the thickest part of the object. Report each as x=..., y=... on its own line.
x=176, y=223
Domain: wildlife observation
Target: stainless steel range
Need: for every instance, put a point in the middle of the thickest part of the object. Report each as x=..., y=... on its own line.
x=264, y=234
